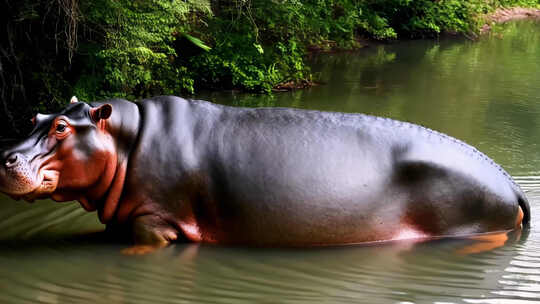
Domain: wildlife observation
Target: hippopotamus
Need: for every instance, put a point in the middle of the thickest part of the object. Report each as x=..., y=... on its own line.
x=171, y=169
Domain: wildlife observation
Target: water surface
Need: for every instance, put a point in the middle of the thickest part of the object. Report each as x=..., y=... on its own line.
x=486, y=93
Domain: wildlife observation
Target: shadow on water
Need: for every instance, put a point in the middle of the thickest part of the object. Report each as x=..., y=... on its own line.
x=486, y=93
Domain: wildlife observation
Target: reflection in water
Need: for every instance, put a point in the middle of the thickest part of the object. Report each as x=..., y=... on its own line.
x=484, y=92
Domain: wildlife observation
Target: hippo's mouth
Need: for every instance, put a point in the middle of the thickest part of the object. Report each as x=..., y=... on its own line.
x=42, y=186
x=47, y=182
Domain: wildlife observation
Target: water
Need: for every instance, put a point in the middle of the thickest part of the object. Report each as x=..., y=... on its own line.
x=486, y=93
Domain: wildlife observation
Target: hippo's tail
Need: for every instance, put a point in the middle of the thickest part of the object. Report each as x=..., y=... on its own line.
x=524, y=204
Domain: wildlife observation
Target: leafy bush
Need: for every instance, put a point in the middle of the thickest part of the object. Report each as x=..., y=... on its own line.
x=135, y=55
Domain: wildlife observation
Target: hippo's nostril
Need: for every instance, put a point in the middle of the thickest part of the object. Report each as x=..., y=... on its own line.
x=11, y=160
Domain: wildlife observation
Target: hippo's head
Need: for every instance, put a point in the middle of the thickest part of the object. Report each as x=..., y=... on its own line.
x=70, y=155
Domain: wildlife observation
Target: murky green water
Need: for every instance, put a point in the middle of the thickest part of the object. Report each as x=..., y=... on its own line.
x=486, y=93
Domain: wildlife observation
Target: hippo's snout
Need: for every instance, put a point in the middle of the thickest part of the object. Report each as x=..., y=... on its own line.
x=16, y=175
x=21, y=178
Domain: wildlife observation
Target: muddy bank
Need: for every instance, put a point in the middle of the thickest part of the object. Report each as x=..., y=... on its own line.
x=502, y=15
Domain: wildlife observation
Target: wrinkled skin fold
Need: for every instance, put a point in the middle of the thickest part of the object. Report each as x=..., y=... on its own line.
x=168, y=169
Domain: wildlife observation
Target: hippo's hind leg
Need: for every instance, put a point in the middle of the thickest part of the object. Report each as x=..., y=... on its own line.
x=445, y=202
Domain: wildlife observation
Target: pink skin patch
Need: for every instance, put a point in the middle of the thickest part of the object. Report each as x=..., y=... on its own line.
x=408, y=233
x=191, y=231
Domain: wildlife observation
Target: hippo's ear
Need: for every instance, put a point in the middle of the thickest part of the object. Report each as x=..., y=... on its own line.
x=102, y=112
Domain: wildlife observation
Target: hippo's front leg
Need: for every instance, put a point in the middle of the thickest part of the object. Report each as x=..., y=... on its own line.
x=150, y=232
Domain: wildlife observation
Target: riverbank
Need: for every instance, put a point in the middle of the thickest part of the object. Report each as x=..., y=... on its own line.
x=502, y=15
x=498, y=16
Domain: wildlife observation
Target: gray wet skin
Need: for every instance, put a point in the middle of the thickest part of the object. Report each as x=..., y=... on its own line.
x=286, y=177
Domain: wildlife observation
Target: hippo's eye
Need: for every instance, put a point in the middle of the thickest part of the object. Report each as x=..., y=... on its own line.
x=60, y=127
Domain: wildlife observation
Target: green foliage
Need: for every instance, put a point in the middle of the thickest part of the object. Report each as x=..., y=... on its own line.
x=519, y=3
x=249, y=52
x=236, y=61
x=137, y=57
x=421, y=18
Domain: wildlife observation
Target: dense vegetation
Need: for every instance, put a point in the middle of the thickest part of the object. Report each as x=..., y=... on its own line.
x=52, y=49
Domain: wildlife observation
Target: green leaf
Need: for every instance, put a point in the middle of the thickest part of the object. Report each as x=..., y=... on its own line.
x=259, y=48
x=198, y=42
